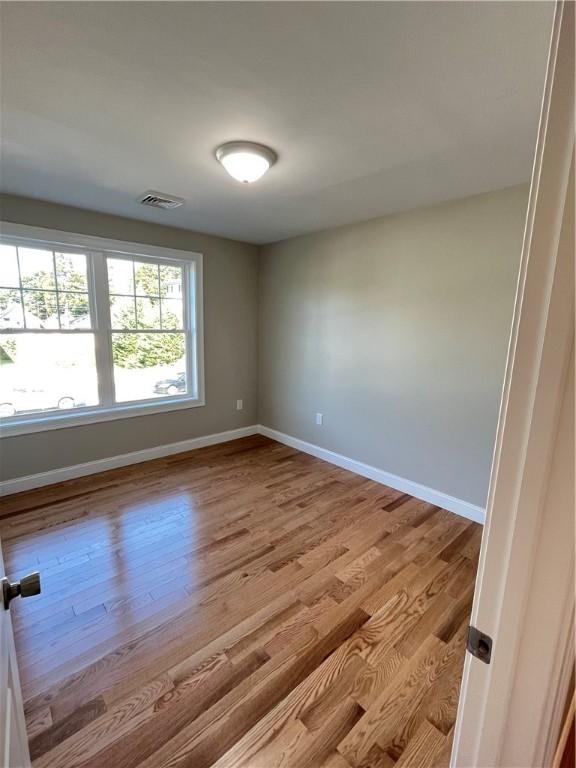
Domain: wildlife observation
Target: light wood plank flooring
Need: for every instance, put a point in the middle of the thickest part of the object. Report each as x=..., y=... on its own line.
x=241, y=605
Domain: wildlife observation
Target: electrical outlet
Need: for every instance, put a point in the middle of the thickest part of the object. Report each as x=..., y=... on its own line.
x=239, y=405
x=319, y=419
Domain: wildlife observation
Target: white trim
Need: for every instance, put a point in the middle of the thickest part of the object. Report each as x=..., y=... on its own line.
x=559, y=688
x=538, y=360
x=444, y=500
x=98, y=248
x=451, y=503
x=92, y=242
x=28, y=482
x=80, y=416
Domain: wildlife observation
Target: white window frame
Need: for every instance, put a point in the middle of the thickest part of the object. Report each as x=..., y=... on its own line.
x=97, y=249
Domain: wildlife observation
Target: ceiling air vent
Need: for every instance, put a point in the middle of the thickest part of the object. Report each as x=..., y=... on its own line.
x=160, y=200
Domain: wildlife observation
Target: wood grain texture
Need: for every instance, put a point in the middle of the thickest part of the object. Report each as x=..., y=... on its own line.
x=239, y=605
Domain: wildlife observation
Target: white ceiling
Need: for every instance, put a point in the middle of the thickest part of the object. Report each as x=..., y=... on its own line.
x=372, y=107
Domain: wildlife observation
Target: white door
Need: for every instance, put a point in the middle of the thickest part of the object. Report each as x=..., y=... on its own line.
x=13, y=741
x=497, y=725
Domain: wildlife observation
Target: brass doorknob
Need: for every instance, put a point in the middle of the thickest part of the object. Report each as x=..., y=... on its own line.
x=26, y=587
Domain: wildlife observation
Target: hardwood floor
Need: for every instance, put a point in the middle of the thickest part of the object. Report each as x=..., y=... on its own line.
x=240, y=605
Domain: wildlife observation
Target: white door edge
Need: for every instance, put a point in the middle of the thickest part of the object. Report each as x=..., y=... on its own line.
x=539, y=355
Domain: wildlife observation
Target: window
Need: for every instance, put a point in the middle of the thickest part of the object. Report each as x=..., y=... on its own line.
x=92, y=329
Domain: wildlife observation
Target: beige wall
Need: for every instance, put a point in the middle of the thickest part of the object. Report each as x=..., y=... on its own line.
x=230, y=332
x=396, y=329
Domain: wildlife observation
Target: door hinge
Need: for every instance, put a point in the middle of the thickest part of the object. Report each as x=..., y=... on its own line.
x=479, y=645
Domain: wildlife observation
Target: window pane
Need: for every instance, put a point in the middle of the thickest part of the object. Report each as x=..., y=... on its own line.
x=149, y=365
x=171, y=282
x=8, y=267
x=120, y=276
x=40, y=309
x=71, y=272
x=11, y=315
x=148, y=313
x=68, y=368
x=147, y=283
x=36, y=268
x=122, y=312
x=74, y=310
x=172, y=314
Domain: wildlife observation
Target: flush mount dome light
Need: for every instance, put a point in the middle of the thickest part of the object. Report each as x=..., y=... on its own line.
x=245, y=160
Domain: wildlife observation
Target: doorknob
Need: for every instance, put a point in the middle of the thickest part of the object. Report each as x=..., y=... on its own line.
x=26, y=587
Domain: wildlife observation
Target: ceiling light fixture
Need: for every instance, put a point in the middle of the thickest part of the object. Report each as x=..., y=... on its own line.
x=246, y=161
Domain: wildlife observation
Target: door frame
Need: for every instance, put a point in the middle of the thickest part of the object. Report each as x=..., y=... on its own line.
x=12, y=720
x=539, y=356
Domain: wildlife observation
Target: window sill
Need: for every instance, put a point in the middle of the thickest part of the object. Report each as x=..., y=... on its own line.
x=13, y=427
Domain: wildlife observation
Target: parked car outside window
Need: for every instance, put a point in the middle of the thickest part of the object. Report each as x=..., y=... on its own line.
x=174, y=386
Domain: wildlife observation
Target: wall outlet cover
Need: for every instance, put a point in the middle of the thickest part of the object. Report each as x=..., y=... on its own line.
x=319, y=419
x=239, y=405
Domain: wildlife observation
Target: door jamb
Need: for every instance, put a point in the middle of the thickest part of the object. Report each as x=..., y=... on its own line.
x=538, y=358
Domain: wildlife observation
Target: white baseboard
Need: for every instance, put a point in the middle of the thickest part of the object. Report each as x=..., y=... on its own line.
x=451, y=503
x=28, y=482
x=444, y=500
